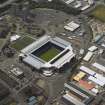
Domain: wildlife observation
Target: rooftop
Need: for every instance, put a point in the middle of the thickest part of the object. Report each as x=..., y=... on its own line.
x=48, y=52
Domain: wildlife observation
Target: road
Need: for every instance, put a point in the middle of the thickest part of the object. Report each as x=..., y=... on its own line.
x=56, y=85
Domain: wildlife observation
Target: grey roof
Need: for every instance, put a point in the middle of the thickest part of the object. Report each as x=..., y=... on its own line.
x=33, y=62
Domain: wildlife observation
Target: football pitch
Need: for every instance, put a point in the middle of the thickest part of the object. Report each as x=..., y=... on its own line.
x=50, y=54
x=22, y=43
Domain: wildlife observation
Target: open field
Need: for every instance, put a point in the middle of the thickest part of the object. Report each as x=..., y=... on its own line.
x=22, y=43
x=1, y=41
x=99, y=13
x=51, y=53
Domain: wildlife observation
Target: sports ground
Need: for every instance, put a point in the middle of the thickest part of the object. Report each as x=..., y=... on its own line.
x=22, y=43
x=48, y=51
x=50, y=54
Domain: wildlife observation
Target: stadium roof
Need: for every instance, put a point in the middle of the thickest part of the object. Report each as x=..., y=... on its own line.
x=58, y=61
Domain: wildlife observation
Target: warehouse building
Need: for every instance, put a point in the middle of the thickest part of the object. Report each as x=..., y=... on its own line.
x=79, y=4
x=75, y=95
x=71, y=26
x=88, y=56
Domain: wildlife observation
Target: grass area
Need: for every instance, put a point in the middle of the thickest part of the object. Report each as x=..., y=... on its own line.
x=22, y=43
x=99, y=13
x=1, y=42
x=51, y=53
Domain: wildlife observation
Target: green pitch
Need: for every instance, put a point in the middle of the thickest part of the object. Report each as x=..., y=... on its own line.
x=49, y=54
x=99, y=13
x=22, y=43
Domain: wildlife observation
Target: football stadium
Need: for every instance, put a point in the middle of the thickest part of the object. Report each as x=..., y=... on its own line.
x=48, y=52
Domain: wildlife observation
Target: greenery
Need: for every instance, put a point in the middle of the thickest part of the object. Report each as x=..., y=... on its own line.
x=22, y=43
x=48, y=55
x=1, y=42
x=99, y=13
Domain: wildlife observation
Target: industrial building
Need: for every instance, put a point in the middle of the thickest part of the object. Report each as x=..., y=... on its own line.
x=48, y=53
x=71, y=26
x=89, y=78
x=75, y=95
x=79, y=4
x=88, y=56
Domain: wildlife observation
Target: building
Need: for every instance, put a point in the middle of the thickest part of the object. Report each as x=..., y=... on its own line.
x=32, y=100
x=71, y=26
x=75, y=95
x=48, y=54
x=17, y=72
x=79, y=4
x=99, y=66
x=92, y=48
x=88, y=56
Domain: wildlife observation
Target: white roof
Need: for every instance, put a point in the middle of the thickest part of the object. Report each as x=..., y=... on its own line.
x=72, y=26
x=97, y=81
x=16, y=71
x=92, y=48
x=72, y=99
x=50, y=0
x=69, y=1
x=14, y=38
x=47, y=65
x=88, y=56
x=35, y=44
x=99, y=66
x=85, y=7
x=100, y=77
x=90, y=2
x=64, y=59
x=21, y=55
x=78, y=5
x=81, y=51
x=59, y=61
x=103, y=44
x=33, y=62
x=68, y=28
x=95, y=90
x=87, y=70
